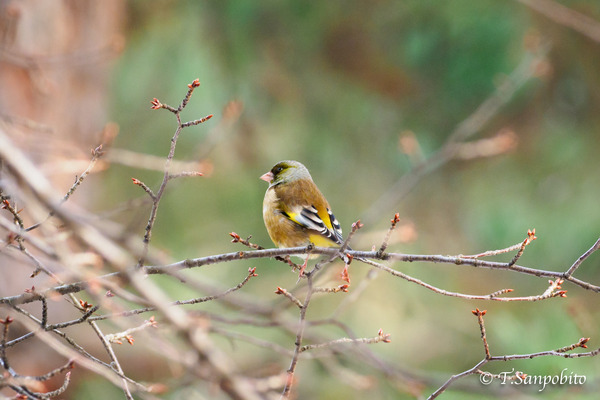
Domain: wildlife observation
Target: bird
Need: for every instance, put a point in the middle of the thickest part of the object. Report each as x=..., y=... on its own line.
x=295, y=211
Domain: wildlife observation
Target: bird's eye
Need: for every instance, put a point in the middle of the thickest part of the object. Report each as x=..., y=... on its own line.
x=277, y=170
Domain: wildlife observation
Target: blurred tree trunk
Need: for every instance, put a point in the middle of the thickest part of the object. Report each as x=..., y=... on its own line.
x=55, y=58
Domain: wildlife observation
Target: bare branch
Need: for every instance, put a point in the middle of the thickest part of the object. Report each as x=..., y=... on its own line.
x=381, y=337
x=563, y=15
x=298, y=343
x=470, y=126
x=156, y=197
x=476, y=369
x=581, y=259
x=479, y=314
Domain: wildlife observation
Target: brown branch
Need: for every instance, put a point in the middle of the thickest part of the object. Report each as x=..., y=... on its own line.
x=27, y=386
x=151, y=162
x=156, y=104
x=519, y=246
x=332, y=252
x=479, y=314
x=504, y=141
x=15, y=213
x=530, y=237
x=196, y=122
x=96, y=154
x=255, y=341
x=60, y=390
x=247, y=243
x=476, y=369
x=145, y=187
x=581, y=259
x=185, y=174
x=341, y=288
x=59, y=370
x=381, y=337
x=223, y=371
x=289, y=296
x=470, y=126
x=563, y=15
x=115, y=364
x=339, y=252
x=549, y=293
x=6, y=323
x=393, y=222
x=74, y=352
x=582, y=343
x=127, y=334
x=20, y=168
x=128, y=313
x=298, y=343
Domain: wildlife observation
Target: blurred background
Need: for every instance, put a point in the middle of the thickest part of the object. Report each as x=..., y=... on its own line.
x=368, y=95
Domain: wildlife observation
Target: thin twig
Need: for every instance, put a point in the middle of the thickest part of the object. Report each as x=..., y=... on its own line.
x=6, y=323
x=75, y=351
x=393, y=222
x=476, y=369
x=145, y=187
x=341, y=288
x=298, y=343
x=470, y=126
x=185, y=174
x=381, y=337
x=581, y=259
x=264, y=253
x=479, y=314
x=126, y=334
x=563, y=15
x=247, y=243
x=96, y=154
x=290, y=297
x=530, y=237
x=69, y=365
x=156, y=104
x=60, y=390
x=519, y=246
x=116, y=365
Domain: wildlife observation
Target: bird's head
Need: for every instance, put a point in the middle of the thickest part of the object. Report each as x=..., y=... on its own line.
x=286, y=171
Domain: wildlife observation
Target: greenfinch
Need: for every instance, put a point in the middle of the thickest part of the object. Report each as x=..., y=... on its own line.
x=295, y=211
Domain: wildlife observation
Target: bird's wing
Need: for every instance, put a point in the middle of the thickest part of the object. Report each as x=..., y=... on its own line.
x=324, y=224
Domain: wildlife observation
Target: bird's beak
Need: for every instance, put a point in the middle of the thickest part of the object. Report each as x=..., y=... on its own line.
x=268, y=177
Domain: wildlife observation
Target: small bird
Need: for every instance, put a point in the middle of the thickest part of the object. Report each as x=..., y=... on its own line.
x=295, y=211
